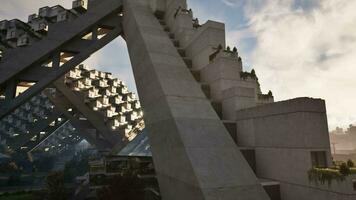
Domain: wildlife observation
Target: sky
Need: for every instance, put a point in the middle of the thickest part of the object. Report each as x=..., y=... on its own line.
x=299, y=48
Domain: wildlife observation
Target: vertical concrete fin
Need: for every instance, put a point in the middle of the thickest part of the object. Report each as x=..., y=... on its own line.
x=194, y=155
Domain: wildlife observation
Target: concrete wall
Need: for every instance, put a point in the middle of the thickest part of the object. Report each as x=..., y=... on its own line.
x=202, y=44
x=283, y=135
x=237, y=98
x=338, y=191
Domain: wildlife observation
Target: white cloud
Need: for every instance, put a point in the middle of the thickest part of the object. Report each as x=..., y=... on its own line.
x=231, y=3
x=306, y=53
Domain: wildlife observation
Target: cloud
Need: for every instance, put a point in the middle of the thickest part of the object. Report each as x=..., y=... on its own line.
x=114, y=58
x=231, y=3
x=305, y=50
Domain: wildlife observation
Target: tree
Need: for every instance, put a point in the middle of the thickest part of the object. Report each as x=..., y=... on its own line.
x=253, y=73
x=77, y=166
x=350, y=163
x=270, y=93
x=344, y=169
x=125, y=187
x=14, y=180
x=55, y=186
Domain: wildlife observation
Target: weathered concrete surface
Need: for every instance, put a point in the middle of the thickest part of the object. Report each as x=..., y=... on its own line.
x=194, y=155
x=283, y=135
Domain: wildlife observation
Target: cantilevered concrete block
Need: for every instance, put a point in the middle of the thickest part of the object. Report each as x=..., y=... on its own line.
x=222, y=74
x=195, y=158
x=204, y=43
x=235, y=99
x=285, y=133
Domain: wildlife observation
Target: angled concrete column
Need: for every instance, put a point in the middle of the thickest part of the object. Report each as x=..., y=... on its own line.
x=194, y=156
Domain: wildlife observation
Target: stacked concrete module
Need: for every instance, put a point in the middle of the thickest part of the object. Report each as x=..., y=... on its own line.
x=30, y=124
x=109, y=97
x=15, y=33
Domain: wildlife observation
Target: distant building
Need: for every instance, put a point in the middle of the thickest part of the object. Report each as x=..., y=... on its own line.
x=343, y=143
x=102, y=172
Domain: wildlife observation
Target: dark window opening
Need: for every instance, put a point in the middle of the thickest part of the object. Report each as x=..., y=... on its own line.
x=318, y=159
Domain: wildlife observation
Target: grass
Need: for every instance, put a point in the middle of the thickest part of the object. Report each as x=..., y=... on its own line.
x=20, y=196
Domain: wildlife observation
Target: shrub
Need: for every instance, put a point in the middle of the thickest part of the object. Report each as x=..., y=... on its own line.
x=344, y=169
x=55, y=186
x=318, y=175
x=350, y=163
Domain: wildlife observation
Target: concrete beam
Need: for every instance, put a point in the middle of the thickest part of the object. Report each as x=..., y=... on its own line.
x=83, y=128
x=93, y=117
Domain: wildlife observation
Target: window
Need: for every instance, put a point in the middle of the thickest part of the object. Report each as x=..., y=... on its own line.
x=318, y=159
x=12, y=34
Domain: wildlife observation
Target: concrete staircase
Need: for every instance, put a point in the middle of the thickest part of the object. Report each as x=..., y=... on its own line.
x=271, y=187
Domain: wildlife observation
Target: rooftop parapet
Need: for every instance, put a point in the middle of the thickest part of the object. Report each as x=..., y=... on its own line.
x=303, y=104
x=226, y=53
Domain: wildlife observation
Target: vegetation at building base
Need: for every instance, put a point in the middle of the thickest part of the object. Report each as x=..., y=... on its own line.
x=127, y=186
x=55, y=186
x=134, y=179
x=77, y=166
x=328, y=175
x=19, y=171
x=54, y=190
x=37, y=180
x=23, y=195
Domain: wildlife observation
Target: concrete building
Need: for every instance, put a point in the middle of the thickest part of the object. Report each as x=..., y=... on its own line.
x=213, y=133
x=343, y=143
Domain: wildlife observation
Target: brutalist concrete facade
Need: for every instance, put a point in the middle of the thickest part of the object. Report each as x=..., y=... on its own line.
x=187, y=137
x=213, y=133
x=277, y=139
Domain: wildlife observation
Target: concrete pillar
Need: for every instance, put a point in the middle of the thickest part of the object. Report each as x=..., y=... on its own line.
x=194, y=156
